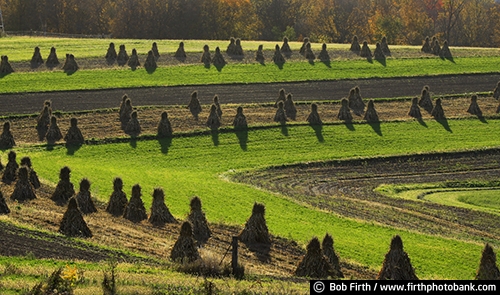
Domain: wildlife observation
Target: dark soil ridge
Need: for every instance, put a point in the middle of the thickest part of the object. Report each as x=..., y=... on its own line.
x=346, y=187
x=71, y=101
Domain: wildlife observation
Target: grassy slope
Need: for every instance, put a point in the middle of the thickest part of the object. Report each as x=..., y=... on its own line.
x=242, y=73
x=193, y=166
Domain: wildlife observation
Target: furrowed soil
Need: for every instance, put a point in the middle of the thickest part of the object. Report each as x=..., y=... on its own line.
x=346, y=187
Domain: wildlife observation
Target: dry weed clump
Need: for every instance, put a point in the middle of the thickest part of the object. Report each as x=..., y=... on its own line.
x=4, y=209
x=217, y=104
x=309, y=54
x=70, y=65
x=118, y=199
x=397, y=264
x=72, y=223
x=355, y=47
x=36, y=59
x=259, y=55
x=194, y=105
x=43, y=120
x=313, y=118
x=365, y=50
x=488, y=269
x=133, y=61
x=385, y=46
x=133, y=127
x=314, y=264
x=122, y=57
x=290, y=108
x=378, y=54
x=180, y=53
x=240, y=120
x=256, y=231
x=111, y=54
x=498, y=108
x=344, y=112
x=371, y=115
x=52, y=60
x=164, y=129
x=156, y=52
x=278, y=56
x=238, y=48
x=415, y=109
x=53, y=133
x=6, y=138
x=231, y=48
x=285, y=48
x=281, y=97
x=74, y=136
x=332, y=257
x=185, y=249
x=206, y=59
x=474, y=107
x=5, y=67
x=84, y=199
x=213, y=120
x=160, y=214
x=356, y=103
x=280, y=115
x=426, y=47
x=437, y=111
x=435, y=47
x=196, y=217
x=33, y=176
x=10, y=172
x=445, y=51
x=303, y=48
x=126, y=110
x=218, y=59
x=150, y=64
x=23, y=190
x=496, y=91
x=425, y=100
x=64, y=189
x=323, y=55
x=135, y=210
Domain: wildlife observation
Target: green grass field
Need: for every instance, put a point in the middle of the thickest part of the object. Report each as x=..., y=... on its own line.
x=241, y=73
x=195, y=166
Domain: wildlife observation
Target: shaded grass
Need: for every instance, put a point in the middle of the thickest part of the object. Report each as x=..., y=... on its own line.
x=194, y=166
x=241, y=73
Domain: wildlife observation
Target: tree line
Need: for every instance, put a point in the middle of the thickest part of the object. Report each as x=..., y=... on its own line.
x=461, y=22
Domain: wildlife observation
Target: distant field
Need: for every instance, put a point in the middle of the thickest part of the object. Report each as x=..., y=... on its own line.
x=21, y=48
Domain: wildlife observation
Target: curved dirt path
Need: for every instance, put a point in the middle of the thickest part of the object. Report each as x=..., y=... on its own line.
x=69, y=101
